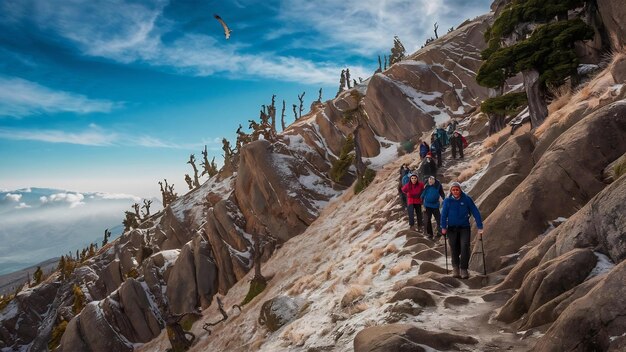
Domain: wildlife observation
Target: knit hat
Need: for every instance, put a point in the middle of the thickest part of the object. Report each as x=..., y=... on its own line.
x=456, y=184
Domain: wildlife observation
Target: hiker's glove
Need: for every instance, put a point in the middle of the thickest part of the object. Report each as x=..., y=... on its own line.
x=443, y=231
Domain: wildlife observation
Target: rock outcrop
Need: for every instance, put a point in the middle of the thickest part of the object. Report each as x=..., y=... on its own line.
x=565, y=175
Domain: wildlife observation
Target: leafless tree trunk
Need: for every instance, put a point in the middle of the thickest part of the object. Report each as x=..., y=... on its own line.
x=282, y=117
x=436, y=28
x=301, y=108
x=192, y=161
x=537, y=106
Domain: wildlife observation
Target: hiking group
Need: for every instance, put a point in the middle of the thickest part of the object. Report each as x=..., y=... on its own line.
x=453, y=219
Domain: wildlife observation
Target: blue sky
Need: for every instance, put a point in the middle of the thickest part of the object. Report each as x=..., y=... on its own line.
x=112, y=96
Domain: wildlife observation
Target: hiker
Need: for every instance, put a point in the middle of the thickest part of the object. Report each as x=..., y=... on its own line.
x=430, y=198
x=429, y=166
x=404, y=179
x=424, y=149
x=458, y=142
x=435, y=148
x=443, y=137
x=413, y=190
x=457, y=208
x=452, y=127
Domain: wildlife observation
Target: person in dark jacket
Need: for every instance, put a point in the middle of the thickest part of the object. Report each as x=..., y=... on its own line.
x=430, y=198
x=404, y=171
x=413, y=191
x=455, y=214
x=429, y=167
x=436, y=149
x=424, y=149
x=457, y=144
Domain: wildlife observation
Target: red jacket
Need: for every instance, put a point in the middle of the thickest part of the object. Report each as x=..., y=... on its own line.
x=413, y=192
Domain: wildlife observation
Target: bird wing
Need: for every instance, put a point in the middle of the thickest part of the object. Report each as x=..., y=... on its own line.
x=224, y=25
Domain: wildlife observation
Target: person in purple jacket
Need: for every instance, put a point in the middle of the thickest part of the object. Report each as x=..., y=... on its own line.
x=455, y=214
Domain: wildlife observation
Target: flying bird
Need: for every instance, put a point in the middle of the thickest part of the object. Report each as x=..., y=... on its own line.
x=224, y=25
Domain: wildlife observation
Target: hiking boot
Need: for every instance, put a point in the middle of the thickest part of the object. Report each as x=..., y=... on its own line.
x=412, y=227
x=455, y=272
x=464, y=274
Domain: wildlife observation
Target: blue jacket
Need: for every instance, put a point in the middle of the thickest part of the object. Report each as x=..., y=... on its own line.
x=424, y=149
x=406, y=178
x=430, y=195
x=456, y=212
x=435, y=146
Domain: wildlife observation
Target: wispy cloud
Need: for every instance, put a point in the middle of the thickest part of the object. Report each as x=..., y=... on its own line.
x=99, y=137
x=19, y=97
x=88, y=137
x=132, y=32
x=367, y=27
x=22, y=205
x=117, y=196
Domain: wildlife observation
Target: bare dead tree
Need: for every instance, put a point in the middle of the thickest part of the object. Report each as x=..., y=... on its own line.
x=354, y=82
x=282, y=117
x=295, y=114
x=189, y=181
x=136, y=207
x=192, y=162
x=380, y=66
x=220, y=307
x=180, y=339
x=436, y=28
x=301, y=99
x=146, y=206
x=342, y=82
x=272, y=113
x=348, y=78
x=385, y=58
x=319, y=98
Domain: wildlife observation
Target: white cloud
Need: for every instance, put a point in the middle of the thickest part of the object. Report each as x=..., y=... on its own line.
x=118, y=196
x=99, y=137
x=25, y=190
x=13, y=197
x=367, y=27
x=22, y=205
x=19, y=97
x=73, y=199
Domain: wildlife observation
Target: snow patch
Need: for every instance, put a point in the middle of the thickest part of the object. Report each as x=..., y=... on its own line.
x=603, y=266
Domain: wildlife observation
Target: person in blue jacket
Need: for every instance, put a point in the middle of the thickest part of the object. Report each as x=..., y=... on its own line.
x=430, y=198
x=424, y=149
x=455, y=214
x=404, y=179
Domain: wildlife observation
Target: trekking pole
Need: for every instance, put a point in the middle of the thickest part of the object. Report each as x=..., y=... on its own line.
x=482, y=249
x=445, y=250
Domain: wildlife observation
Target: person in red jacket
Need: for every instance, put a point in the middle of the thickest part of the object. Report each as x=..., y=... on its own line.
x=413, y=191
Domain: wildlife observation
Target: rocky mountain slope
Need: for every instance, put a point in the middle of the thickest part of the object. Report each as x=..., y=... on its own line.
x=344, y=272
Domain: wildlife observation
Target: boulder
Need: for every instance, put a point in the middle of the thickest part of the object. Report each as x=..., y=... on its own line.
x=405, y=338
x=206, y=271
x=141, y=312
x=417, y=295
x=455, y=301
x=426, y=267
x=567, y=175
x=593, y=321
x=492, y=196
x=110, y=277
x=512, y=157
x=551, y=310
x=499, y=296
x=267, y=181
x=278, y=311
x=182, y=292
x=613, y=14
x=438, y=277
x=95, y=332
x=547, y=282
x=427, y=255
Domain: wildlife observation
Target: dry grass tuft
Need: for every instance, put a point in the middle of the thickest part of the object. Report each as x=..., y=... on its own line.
x=377, y=253
x=391, y=248
x=354, y=294
x=404, y=265
x=562, y=95
x=474, y=167
x=301, y=284
x=492, y=141
x=376, y=267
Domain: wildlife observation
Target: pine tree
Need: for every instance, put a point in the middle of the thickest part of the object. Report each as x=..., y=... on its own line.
x=397, y=52
x=342, y=82
x=542, y=49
